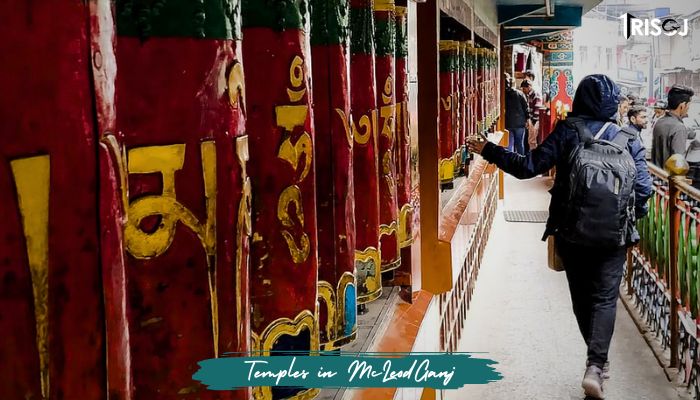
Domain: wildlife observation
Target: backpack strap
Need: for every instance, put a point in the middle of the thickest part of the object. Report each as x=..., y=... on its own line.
x=579, y=125
x=602, y=130
x=624, y=136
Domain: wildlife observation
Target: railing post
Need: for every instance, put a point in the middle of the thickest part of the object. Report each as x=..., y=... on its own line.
x=673, y=266
x=628, y=279
x=677, y=168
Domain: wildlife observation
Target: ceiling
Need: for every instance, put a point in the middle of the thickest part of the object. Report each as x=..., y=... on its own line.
x=524, y=20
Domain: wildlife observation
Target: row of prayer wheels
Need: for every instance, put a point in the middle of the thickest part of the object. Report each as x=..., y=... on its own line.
x=468, y=102
x=183, y=180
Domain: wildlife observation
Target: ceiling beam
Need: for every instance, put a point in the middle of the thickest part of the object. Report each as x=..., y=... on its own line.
x=564, y=16
x=515, y=37
x=507, y=14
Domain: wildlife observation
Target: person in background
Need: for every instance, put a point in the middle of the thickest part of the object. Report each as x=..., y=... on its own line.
x=534, y=101
x=622, y=110
x=670, y=134
x=529, y=75
x=516, y=116
x=594, y=273
x=637, y=116
x=659, y=111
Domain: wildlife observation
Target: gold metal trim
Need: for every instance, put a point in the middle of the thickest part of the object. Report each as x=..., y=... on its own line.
x=284, y=326
x=327, y=294
x=384, y=5
x=339, y=342
x=390, y=266
x=334, y=319
x=405, y=237
x=373, y=282
x=386, y=230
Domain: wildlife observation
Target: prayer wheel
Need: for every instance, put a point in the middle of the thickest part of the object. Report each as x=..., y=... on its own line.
x=181, y=117
x=284, y=264
x=57, y=84
x=363, y=104
x=330, y=38
x=403, y=139
x=384, y=38
x=446, y=132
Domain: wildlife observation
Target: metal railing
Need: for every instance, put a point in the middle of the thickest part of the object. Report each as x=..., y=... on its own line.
x=665, y=266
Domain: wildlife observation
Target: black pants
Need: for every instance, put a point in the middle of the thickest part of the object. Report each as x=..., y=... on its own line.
x=594, y=277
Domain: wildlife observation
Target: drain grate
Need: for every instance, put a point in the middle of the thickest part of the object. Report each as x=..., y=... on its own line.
x=526, y=216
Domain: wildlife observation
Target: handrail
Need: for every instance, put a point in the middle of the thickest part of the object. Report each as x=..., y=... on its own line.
x=688, y=189
x=665, y=268
x=657, y=171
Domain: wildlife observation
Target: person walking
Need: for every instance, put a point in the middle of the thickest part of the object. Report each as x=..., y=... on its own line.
x=593, y=262
x=534, y=101
x=670, y=134
x=516, y=116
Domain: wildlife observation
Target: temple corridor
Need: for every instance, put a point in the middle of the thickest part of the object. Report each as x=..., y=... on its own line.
x=521, y=316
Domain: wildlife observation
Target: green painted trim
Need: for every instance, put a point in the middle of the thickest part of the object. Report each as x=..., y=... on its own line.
x=330, y=22
x=401, y=28
x=279, y=15
x=212, y=19
x=362, y=30
x=447, y=61
x=384, y=36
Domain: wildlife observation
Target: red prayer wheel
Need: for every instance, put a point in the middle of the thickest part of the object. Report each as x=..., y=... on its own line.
x=58, y=56
x=457, y=108
x=384, y=38
x=284, y=265
x=472, y=90
x=463, y=94
x=481, y=93
x=180, y=110
x=446, y=134
x=402, y=276
x=365, y=151
x=334, y=173
x=403, y=140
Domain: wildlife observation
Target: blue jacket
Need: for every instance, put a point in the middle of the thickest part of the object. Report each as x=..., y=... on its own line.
x=596, y=102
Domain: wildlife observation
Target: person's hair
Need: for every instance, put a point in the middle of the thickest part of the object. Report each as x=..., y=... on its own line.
x=525, y=83
x=635, y=110
x=623, y=99
x=530, y=74
x=678, y=95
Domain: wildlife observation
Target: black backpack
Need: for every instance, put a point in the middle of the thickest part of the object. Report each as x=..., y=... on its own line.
x=600, y=204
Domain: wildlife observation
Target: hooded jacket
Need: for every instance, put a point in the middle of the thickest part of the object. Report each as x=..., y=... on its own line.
x=596, y=103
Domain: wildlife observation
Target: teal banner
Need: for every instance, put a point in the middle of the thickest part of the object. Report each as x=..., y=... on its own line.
x=353, y=370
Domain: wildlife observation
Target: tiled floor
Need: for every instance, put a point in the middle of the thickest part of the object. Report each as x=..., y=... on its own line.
x=368, y=325
x=521, y=316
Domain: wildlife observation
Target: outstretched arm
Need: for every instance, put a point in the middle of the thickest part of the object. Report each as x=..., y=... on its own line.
x=538, y=161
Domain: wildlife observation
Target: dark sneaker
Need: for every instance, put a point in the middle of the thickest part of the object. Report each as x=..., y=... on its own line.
x=606, y=370
x=592, y=383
